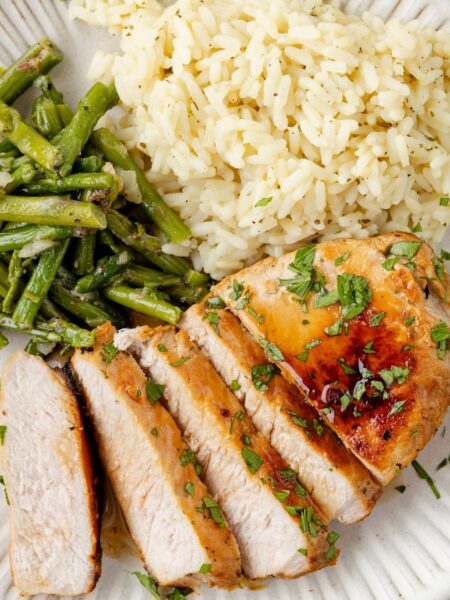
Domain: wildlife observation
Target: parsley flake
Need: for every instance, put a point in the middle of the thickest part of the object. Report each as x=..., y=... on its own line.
x=189, y=488
x=441, y=336
x=154, y=391
x=180, y=362
x=215, y=302
x=214, y=510
x=3, y=430
x=238, y=288
x=424, y=475
x=272, y=351
x=235, y=385
x=312, y=344
x=188, y=457
x=108, y=353
x=443, y=201
x=262, y=375
x=148, y=582
x=406, y=249
x=238, y=415
x=376, y=319
x=205, y=568
x=397, y=407
x=162, y=348
x=401, y=488
x=213, y=319
x=342, y=259
x=252, y=459
x=264, y=201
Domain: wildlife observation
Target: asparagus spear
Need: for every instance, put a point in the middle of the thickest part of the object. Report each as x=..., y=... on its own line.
x=48, y=89
x=27, y=140
x=38, y=59
x=15, y=272
x=90, y=108
x=55, y=330
x=22, y=175
x=164, y=217
x=78, y=181
x=145, y=303
x=38, y=348
x=83, y=262
x=186, y=294
x=6, y=146
x=88, y=164
x=19, y=237
x=46, y=117
x=106, y=271
x=51, y=210
x=3, y=280
x=49, y=311
x=92, y=315
x=147, y=278
x=39, y=283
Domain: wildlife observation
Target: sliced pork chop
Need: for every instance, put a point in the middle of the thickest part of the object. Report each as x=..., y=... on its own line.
x=148, y=464
x=361, y=327
x=261, y=497
x=49, y=480
x=337, y=481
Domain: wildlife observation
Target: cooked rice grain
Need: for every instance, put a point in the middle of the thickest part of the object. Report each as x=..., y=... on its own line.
x=342, y=121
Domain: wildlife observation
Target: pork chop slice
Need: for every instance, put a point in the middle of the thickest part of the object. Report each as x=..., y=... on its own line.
x=341, y=486
x=362, y=328
x=278, y=529
x=145, y=459
x=49, y=480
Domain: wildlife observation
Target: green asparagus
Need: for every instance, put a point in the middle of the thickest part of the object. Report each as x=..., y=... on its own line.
x=164, y=217
x=48, y=89
x=88, y=164
x=106, y=271
x=46, y=117
x=22, y=175
x=3, y=280
x=83, y=262
x=15, y=272
x=90, y=108
x=39, y=284
x=187, y=295
x=78, y=181
x=90, y=314
x=19, y=237
x=51, y=210
x=52, y=331
x=3, y=340
x=37, y=60
x=142, y=302
x=147, y=278
x=27, y=140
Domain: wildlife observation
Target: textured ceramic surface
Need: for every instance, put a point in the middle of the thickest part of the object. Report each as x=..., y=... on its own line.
x=403, y=549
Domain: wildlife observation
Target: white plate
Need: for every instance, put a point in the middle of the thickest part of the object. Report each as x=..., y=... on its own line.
x=403, y=549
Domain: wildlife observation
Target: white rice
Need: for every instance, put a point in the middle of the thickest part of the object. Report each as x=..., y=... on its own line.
x=343, y=121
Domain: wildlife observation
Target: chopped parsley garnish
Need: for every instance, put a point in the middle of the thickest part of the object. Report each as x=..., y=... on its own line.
x=235, y=385
x=345, y=401
x=154, y=391
x=306, y=517
x=246, y=440
x=332, y=538
x=243, y=301
x=394, y=373
x=335, y=328
x=376, y=319
x=417, y=228
x=347, y=370
x=214, y=510
x=443, y=201
x=215, y=302
x=407, y=347
x=138, y=393
x=397, y=407
x=303, y=356
x=401, y=488
x=189, y=488
x=262, y=375
x=205, y=568
x=162, y=348
x=406, y=249
x=213, y=319
x=318, y=428
x=342, y=259
x=303, y=551
x=445, y=255
x=326, y=299
x=390, y=263
x=149, y=583
x=238, y=288
x=282, y=495
x=188, y=457
x=368, y=348
x=272, y=351
x=439, y=268
x=359, y=390
x=300, y=491
x=424, y=475
x=3, y=429
x=409, y=321
x=180, y=362
x=252, y=459
x=443, y=463
x=354, y=293
x=287, y=474
x=307, y=277
x=154, y=431
x=264, y=201
x=108, y=353
x=440, y=336
x=239, y=415
x=297, y=420
x=312, y=344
